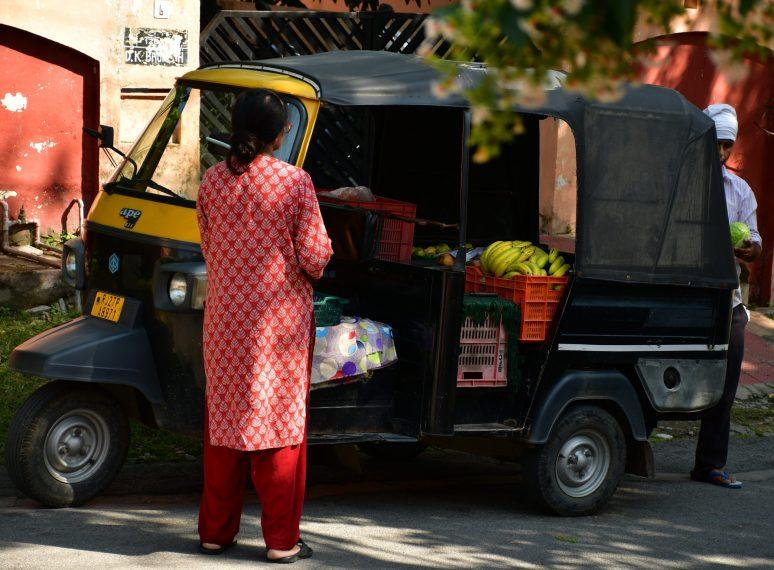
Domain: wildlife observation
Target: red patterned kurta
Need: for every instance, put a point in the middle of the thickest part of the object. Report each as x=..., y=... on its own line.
x=263, y=239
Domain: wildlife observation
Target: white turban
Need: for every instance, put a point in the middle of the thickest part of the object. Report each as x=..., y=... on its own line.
x=726, y=124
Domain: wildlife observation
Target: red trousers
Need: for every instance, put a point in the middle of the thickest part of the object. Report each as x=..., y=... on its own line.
x=279, y=477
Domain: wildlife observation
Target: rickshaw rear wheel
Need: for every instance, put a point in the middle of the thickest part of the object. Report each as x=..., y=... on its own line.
x=578, y=469
x=66, y=443
x=391, y=450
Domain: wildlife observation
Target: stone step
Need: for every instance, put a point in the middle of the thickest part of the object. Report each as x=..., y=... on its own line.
x=25, y=284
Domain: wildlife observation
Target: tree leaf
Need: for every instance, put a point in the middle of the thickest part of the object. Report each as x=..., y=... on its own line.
x=619, y=18
x=446, y=11
x=509, y=22
x=746, y=5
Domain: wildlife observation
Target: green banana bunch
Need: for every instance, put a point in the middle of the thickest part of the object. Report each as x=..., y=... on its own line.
x=523, y=269
x=487, y=254
x=562, y=270
x=507, y=259
x=558, y=262
x=540, y=258
x=500, y=264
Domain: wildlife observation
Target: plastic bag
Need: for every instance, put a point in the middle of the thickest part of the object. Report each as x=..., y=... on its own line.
x=351, y=194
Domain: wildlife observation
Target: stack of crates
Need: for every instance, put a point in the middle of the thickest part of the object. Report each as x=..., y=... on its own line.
x=538, y=297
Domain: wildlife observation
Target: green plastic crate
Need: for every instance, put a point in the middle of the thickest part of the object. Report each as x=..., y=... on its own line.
x=327, y=309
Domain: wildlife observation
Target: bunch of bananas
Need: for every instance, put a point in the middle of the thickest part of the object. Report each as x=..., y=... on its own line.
x=510, y=258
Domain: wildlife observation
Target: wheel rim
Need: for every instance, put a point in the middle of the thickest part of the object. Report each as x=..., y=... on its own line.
x=582, y=463
x=76, y=446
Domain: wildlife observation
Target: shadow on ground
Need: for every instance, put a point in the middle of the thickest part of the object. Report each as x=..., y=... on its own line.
x=449, y=511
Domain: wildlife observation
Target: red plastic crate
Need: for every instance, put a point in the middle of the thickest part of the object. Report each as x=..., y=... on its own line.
x=397, y=236
x=483, y=360
x=475, y=280
x=538, y=298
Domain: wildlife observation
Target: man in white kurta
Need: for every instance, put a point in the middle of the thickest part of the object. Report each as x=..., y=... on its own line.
x=712, y=447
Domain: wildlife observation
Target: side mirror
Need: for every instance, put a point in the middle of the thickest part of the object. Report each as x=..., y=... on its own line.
x=105, y=135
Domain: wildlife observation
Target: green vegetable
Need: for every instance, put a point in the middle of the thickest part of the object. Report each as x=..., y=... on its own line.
x=739, y=233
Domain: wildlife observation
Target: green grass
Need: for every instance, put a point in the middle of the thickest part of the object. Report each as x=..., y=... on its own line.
x=566, y=538
x=16, y=327
x=757, y=415
x=149, y=444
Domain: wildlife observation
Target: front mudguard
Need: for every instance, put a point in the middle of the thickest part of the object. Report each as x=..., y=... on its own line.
x=607, y=387
x=88, y=349
x=586, y=386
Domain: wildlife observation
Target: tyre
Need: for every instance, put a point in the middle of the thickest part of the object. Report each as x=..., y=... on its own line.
x=66, y=443
x=581, y=464
x=392, y=451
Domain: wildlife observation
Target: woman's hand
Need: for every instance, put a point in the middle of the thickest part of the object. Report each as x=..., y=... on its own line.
x=749, y=251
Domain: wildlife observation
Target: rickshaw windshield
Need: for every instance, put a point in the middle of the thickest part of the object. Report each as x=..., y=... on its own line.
x=189, y=134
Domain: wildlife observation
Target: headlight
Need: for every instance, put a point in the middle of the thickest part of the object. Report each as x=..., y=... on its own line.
x=178, y=289
x=71, y=265
x=179, y=286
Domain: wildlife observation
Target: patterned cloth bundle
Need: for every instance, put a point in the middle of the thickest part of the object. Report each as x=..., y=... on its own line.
x=350, y=349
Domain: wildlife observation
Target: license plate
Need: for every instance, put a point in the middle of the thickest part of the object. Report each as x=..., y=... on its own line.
x=107, y=306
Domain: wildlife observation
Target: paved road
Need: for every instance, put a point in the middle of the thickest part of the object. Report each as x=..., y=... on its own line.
x=445, y=510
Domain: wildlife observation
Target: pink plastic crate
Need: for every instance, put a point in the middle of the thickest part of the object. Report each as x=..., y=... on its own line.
x=483, y=361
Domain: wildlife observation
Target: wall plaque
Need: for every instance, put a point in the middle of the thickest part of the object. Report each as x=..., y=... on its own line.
x=150, y=46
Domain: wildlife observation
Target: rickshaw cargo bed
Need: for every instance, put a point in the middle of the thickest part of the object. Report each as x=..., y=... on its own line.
x=537, y=296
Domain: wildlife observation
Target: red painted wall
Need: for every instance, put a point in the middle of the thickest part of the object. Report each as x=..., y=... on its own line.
x=688, y=68
x=47, y=93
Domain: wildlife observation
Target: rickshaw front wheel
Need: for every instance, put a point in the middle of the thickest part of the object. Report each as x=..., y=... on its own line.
x=66, y=443
x=578, y=469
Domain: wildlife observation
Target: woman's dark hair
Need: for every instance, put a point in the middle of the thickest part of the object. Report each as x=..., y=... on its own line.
x=257, y=117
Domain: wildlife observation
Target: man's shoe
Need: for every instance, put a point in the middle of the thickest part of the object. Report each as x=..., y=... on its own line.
x=716, y=477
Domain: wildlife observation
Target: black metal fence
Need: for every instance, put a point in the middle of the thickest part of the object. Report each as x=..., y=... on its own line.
x=240, y=35
x=338, y=155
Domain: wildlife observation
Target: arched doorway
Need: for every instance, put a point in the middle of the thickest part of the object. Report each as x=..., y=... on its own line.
x=48, y=92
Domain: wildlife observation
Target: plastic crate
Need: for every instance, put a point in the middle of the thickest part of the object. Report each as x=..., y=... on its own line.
x=328, y=309
x=538, y=298
x=483, y=360
x=397, y=236
x=475, y=280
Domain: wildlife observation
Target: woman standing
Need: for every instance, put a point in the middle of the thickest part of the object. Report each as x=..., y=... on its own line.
x=263, y=241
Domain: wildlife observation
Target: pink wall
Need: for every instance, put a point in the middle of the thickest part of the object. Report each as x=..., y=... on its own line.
x=688, y=68
x=47, y=93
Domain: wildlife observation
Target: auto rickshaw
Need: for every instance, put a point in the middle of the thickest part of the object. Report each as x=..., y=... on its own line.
x=640, y=334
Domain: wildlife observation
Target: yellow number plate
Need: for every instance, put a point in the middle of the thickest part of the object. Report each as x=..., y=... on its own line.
x=107, y=306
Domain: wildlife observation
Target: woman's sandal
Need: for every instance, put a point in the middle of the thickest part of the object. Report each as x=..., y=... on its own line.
x=717, y=477
x=304, y=552
x=214, y=551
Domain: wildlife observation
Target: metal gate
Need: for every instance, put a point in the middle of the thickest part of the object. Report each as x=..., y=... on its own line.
x=338, y=155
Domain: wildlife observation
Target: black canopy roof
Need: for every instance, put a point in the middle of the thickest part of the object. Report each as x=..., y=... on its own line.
x=651, y=204
x=354, y=78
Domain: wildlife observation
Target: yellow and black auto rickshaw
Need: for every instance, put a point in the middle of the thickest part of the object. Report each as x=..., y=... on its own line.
x=640, y=333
